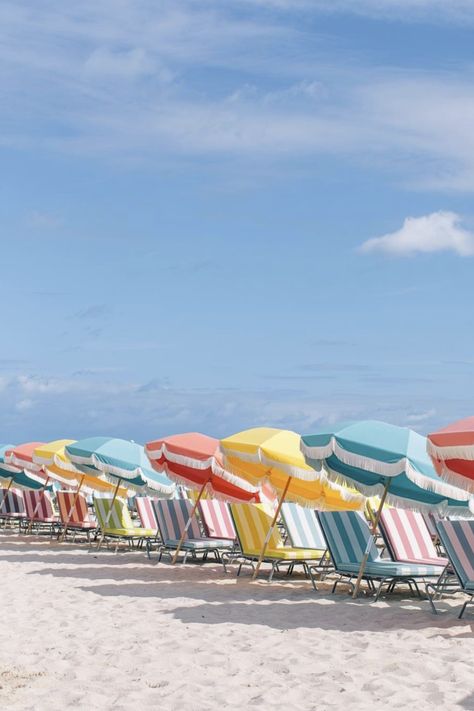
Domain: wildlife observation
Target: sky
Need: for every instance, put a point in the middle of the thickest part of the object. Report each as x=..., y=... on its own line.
x=219, y=215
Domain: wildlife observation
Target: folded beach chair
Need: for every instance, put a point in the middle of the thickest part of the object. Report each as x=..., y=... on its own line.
x=407, y=537
x=74, y=514
x=12, y=508
x=216, y=519
x=304, y=530
x=40, y=512
x=457, y=538
x=172, y=516
x=348, y=537
x=252, y=523
x=146, y=513
x=116, y=523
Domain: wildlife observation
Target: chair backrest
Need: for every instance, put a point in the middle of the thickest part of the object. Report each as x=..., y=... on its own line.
x=303, y=528
x=431, y=520
x=12, y=501
x=252, y=523
x=172, y=516
x=406, y=535
x=117, y=516
x=347, y=534
x=73, y=507
x=146, y=512
x=216, y=519
x=38, y=505
x=457, y=538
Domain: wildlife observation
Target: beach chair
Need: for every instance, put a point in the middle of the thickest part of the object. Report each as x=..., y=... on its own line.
x=252, y=523
x=304, y=531
x=172, y=516
x=74, y=514
x=457, y=538
x=407, y=537
x=216, y=519
x=40, y=512
x=116, y=523
x=12, y=508
x=146, y=513
x=348, y=538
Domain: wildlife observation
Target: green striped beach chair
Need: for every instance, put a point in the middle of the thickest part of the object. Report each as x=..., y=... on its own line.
x=116, y=523
x=348, y=537
x=457, y=538
x=172, y=516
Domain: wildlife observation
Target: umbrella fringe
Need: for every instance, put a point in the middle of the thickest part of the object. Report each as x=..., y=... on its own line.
x=465, y=451
x=457, y=480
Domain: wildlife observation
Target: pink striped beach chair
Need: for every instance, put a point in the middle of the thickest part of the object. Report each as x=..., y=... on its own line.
x=146, y=513
x=457, y=538
x=12, y=507
x=216, y=519
x=408, y=539
x=74, y=514
x=40, y=512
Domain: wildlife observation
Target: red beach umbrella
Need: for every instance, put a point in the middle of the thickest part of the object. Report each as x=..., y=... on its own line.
x=452, y=452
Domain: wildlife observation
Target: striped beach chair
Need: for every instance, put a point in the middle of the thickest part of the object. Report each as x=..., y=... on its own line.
x=146, y=513
x=216, y=519
x=74, y=514
x=172, y=516
x=348, y=538
x=116, y=523
x=407, y=537
x=12, y=507
x=40, y=512
x=304, y=531
x=252, y=523
x=457, y=538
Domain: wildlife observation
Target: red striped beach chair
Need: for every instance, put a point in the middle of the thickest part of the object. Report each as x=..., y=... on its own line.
x=40, y=512
x=12, y=508
x=457, y=538
x=74, y=514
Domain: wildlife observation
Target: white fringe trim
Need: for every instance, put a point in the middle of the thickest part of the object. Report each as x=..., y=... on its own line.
x=457, y=480
x=403, y=465
x=23, y=464
x=462, y=451
x=209, y=489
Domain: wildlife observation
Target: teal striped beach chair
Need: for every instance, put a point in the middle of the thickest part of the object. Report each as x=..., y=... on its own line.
x=172, y=516
x=304, y=531
x=457, y=538
x=348, y=537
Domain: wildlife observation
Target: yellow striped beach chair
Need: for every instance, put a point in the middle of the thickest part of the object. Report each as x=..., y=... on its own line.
x=116, y=523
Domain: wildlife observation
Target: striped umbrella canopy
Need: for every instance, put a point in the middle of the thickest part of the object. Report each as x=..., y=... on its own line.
x=120, y=461
x=52, y=457
x=194, y=459
x=383, y=459
x=266, y=454
x=452, y=452
x=378, y=458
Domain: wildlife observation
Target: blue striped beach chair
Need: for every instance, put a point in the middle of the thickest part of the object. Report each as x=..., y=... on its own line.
x=348, y=537
x=172, y=516
x=304, y=531
x=457, y=538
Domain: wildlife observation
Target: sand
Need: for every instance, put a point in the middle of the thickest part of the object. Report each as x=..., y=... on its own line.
x=102, y=631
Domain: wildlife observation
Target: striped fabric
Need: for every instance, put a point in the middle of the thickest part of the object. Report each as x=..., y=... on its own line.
x=252, y=522
x=302, y=526
x=39, y=506
x=119, y=523
x=13, y=505
x=146, y=512
x=216, y=518
x=457, y=538
x=73, y=510
x=172, y=516
x=408, y=538
x=348, y=537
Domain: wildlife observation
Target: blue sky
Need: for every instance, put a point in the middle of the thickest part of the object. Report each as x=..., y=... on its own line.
x=220, y=215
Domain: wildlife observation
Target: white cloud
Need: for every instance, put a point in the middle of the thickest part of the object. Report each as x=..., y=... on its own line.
x=437, y=232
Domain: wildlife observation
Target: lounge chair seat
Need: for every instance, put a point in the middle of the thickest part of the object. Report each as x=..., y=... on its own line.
x=197, y=543
x=387, y=568
x=132, y=532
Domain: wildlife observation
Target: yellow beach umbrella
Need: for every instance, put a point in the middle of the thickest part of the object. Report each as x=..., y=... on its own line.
x=266, y=454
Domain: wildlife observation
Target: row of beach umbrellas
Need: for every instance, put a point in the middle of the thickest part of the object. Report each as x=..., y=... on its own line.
x=332, y=469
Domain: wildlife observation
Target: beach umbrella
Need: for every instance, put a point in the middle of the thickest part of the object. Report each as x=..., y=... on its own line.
x=194, y=459
x=11, y=475
x=266, y=454
x=121, y=461
x=452, y=452
x=52, y=457
x=386, y=460
x=21, y=456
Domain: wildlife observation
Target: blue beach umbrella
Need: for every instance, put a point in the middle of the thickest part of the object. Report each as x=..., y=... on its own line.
x=382, y=459
x=121, y=461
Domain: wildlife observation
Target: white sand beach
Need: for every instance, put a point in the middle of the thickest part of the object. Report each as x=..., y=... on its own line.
x=89, y=630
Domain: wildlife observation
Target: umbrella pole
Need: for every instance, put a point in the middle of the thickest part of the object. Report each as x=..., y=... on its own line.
x=188, y=522
x=5, y=494
x=41, y=496
x=72, y=509
x=375, y=523
x=270, y=530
